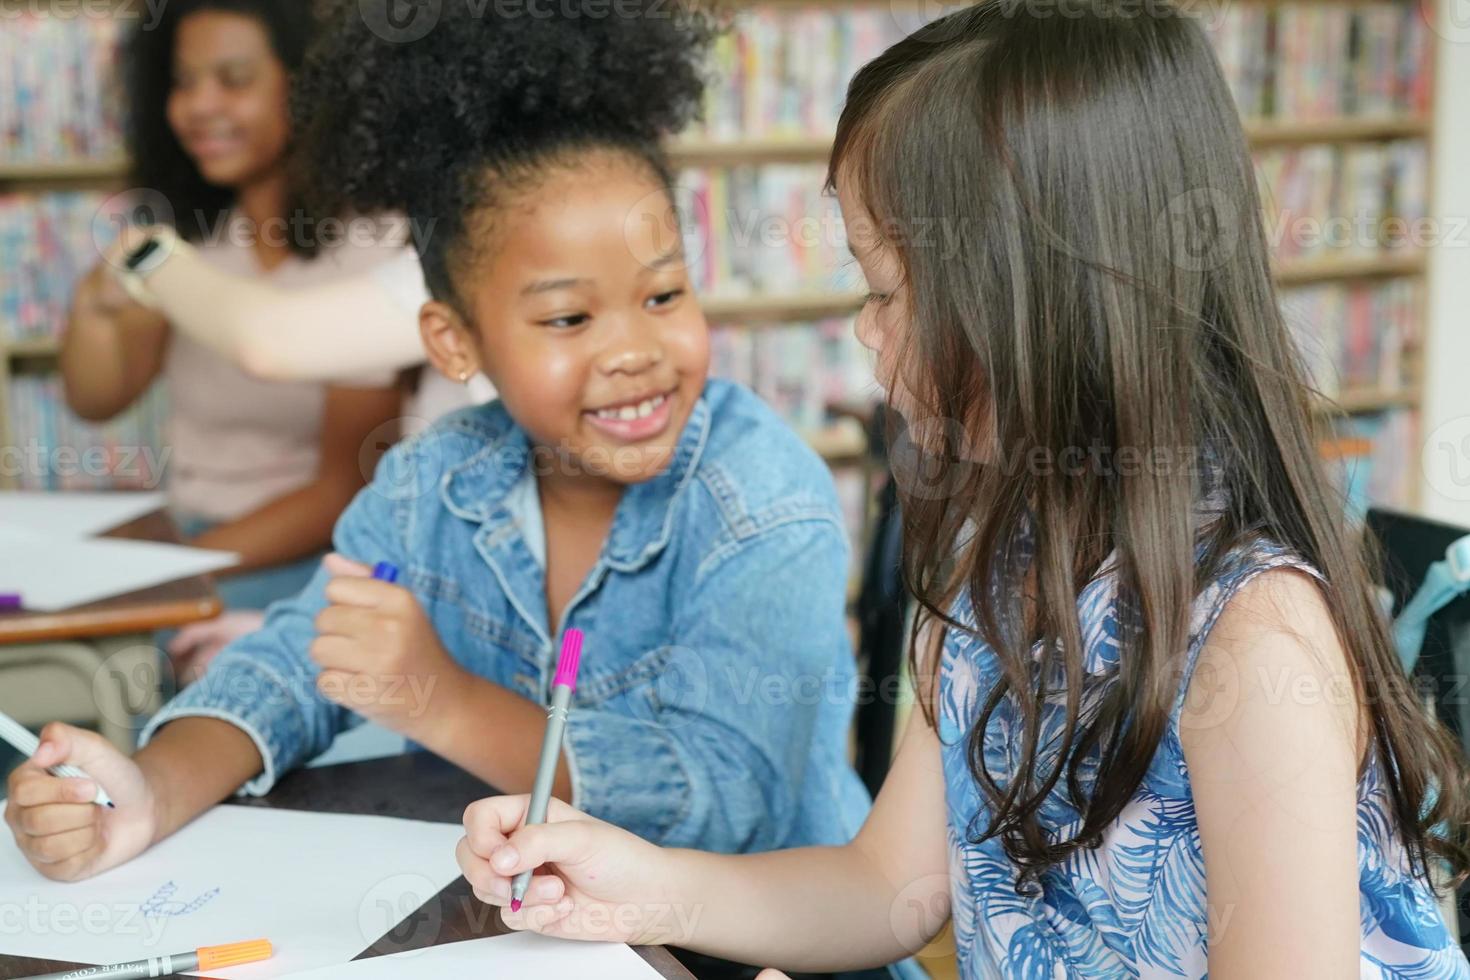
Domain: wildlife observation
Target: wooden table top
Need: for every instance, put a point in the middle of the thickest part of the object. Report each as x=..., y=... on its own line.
x=416, y=786
x=164, y=606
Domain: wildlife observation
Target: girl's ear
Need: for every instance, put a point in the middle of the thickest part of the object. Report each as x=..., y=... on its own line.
x=448, y=340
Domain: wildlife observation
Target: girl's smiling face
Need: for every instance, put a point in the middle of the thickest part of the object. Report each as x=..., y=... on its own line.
x=584, y=319
x=228, y=103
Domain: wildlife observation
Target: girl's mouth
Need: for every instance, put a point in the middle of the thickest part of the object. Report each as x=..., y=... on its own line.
x=634, y=421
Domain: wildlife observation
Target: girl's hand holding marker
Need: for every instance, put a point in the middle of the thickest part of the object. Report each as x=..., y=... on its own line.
x=601, y=882
x=57, y=824
x=378, y=652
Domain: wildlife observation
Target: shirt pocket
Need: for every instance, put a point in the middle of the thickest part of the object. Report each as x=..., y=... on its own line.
x=479, y=634
x=642, y=689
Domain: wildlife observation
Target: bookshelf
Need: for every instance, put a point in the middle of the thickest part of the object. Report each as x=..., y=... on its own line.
x=760, y=310
x=1388, y=110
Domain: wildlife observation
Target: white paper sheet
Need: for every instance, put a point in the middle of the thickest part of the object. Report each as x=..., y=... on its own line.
x=321, y=887
x=74, y=515
x=523, y=955
x=51, y=573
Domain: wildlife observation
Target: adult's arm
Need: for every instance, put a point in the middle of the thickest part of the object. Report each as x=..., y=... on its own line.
x=356, y=325
x=112, y=348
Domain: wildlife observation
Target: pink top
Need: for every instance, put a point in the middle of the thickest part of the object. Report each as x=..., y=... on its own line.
x=237, y=442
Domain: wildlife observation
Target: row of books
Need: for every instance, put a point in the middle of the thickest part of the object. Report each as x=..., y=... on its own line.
x=52, y=449
x=1346, y=198
x=1307, y=61
x=783, y=72
x=1375, y=458
x=801, y=369
x=58, y=100
x=47, y=243
x=1355, y=336
x=771, y=229
x=763, y=229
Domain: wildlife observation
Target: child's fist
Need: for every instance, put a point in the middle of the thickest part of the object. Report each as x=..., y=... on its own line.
x=378, y=653
x=58, y=828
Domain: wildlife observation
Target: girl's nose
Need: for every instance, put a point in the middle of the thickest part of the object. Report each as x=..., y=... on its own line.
x=201, y=100
x=633, y=361
x=868, y=334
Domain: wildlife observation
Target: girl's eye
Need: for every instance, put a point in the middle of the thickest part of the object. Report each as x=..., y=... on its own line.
x=567, y=322
x=877, y=299
x=664, y=299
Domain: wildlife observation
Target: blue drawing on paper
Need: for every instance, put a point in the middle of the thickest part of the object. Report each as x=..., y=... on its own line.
x=163, y=904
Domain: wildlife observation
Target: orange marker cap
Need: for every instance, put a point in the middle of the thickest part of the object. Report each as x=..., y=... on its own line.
x=219, y=957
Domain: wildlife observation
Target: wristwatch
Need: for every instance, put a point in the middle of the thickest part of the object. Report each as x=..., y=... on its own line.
x=143, y=261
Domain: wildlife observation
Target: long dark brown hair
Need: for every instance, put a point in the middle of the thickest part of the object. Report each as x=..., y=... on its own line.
x=1074, y=211
x=159, y=160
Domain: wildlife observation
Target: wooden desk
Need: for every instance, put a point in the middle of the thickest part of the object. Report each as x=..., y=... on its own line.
x=161, y=607
x=417, y=786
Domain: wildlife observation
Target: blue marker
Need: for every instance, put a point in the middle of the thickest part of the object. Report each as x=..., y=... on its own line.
x=385, y=571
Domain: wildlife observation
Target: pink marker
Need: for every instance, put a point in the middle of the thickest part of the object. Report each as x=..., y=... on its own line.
x=556, y=722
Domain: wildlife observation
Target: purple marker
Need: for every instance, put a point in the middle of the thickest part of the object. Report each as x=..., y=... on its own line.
x=9, y=602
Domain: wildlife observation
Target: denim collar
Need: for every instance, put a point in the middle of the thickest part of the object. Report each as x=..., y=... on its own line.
x=475, y=489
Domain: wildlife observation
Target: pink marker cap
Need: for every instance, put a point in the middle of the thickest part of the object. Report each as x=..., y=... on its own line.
x=571, y=659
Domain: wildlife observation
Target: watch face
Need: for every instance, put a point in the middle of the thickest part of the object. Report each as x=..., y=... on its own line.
x=141, y=253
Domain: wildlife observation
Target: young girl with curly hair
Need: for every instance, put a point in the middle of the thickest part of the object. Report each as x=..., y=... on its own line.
x=693, y=537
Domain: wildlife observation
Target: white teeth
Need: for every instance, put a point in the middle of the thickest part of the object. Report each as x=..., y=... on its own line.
x=629, y=413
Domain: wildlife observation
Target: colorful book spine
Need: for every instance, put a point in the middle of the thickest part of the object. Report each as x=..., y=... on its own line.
x=1307, y=61
x=783, y=72
x=1355, y=335
x=48, y=242
x=1344, y=198
x=1381, y=464
x=753, y=230
x=58, y=100
x=802, y=369
x=54, y=450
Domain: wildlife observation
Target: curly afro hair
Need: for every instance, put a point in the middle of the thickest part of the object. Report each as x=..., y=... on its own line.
x=444, y=127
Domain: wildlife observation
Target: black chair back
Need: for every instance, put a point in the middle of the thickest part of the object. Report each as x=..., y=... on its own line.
x=1410, y=545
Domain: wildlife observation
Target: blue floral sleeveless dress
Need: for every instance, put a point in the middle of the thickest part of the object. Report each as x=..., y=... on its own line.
x=1135, y=906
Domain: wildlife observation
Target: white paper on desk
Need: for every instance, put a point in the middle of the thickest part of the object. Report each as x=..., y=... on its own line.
x=522, y=954
x=51, y=573
x=74, y=515
x=321, y=887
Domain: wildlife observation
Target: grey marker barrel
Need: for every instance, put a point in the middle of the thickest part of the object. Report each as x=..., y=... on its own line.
x=556, y=724
x=162, y=966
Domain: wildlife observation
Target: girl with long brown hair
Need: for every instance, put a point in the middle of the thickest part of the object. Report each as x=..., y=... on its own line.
x=1165, y=732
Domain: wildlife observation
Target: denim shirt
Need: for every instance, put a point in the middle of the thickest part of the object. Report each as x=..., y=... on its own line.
x=717, y=681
